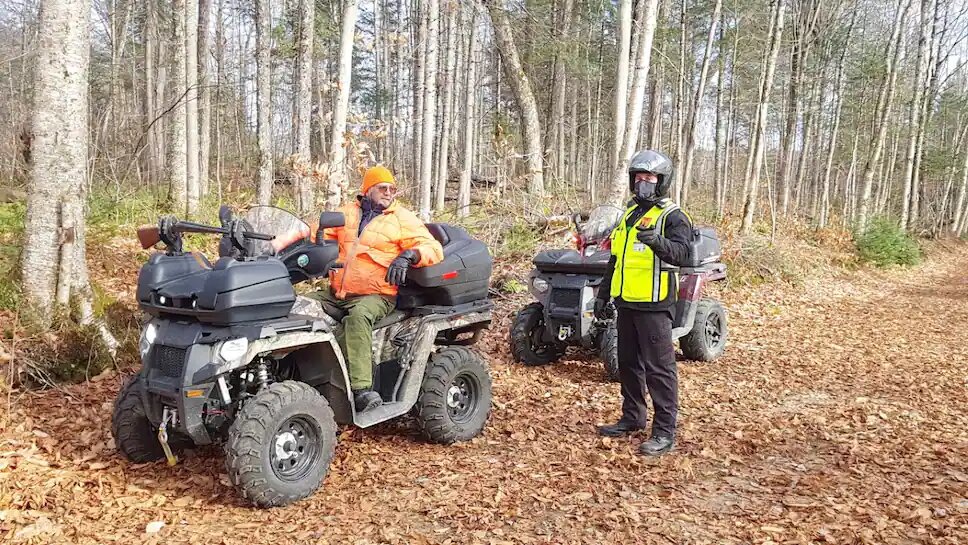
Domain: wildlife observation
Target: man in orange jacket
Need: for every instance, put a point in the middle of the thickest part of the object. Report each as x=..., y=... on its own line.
x=380, y=241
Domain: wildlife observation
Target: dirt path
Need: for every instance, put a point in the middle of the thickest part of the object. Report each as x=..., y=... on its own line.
x=838, y=415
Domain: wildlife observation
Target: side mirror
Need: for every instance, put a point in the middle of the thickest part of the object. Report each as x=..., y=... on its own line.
x=331, y=219
x=328, y=220
x=224, y=215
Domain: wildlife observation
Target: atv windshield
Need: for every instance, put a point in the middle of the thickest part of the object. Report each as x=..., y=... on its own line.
x=284, y=225
x=601, y=221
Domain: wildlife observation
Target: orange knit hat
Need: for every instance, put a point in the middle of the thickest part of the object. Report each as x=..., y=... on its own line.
x=376, y=175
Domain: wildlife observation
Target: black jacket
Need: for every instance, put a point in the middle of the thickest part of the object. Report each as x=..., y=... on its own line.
x=673, y=248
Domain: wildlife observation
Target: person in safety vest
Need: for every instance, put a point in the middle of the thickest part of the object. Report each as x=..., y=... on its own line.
x=652, y=237
x=380, y=241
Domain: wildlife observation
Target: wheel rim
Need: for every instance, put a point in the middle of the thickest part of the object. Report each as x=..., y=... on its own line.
x=463, y=396
x=295, y=448
x=714, y=330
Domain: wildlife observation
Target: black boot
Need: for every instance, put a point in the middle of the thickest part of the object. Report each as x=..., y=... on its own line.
x=619, y=429
x=366, y=400
x=657, y=445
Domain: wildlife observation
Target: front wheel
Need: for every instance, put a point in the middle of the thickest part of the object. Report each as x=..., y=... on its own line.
x=707, y=338
x=134, y=435
x=608, y=351
x=527, y=331
x=281, y=444
x=455, y=397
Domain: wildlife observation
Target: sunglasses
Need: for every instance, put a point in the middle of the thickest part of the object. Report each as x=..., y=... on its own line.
x=388, y=189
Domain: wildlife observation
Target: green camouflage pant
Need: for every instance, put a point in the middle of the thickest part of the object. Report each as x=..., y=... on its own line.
x=357, y=314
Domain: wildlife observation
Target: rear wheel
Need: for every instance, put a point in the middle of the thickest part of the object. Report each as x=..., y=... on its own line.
x=281, y=444
x=134, y=435
x=527, y=331
x=707, y=339
x=455, y=397
x=608, y=351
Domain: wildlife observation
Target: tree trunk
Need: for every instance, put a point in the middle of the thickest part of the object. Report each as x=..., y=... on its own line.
x=697, y=104
x=620, y=177
x=155, y=135
x=470, y=90
x=443, y=155
x=263, y=47
x=755, y=162
x=304, y=107
x=554, y=131
x=834, y=132
x=681, y=89
x=523, y=95
x=432, y=8
x=58, y=161
x=177, y=140
x=718, y=155
x=337, y=151
x=883, y=110
x=205, y=93
x=191, y=103
x=621, y=80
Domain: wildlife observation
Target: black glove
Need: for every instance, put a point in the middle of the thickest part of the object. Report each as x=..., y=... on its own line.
x=601, y=309
x=649, y=237
x=397, y=273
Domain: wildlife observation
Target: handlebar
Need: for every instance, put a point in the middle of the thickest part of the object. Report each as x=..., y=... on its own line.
x=169, y=228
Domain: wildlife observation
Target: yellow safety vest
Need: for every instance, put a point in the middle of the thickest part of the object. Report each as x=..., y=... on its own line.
x=638, y=276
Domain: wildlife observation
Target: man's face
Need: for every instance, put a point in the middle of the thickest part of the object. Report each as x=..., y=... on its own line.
x=646, y=177
x=382, y=194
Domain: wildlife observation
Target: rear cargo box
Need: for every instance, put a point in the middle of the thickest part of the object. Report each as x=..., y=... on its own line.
x=461, y=278
x=704, y=247
x=231, y=292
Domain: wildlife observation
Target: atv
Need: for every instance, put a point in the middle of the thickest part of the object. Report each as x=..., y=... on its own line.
x=232, y=355
x=565, y=283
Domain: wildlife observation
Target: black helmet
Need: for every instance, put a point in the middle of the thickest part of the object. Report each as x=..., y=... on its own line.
x=657, y=163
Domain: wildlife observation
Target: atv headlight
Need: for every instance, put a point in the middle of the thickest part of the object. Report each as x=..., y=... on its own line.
x=234, y=349
x=540, y=285
x=148, y=337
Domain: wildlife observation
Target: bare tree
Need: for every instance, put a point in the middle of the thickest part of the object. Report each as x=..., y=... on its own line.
x=263, y=26
x=191, y=103
x=304, y=105
x=692, y=120
x=177, y=139
x=521, y=87
x=443, y=153
x=885, y=100
x=337, y=150
x=470, y=90
x=205, y=92
x=755, y=162
x=621, y=79
x=429, y=107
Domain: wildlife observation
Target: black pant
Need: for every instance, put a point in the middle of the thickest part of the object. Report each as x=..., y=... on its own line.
x=647, y=359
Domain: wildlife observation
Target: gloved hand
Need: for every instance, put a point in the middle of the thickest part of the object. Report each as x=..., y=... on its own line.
x=649, y=237
x=601, y=309
x=397, y=273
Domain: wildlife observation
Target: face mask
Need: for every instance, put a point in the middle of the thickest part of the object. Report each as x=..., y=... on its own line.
x=644, y=191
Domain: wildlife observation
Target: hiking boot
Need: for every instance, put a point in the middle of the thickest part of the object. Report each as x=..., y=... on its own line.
x=619, y=429
x=366, y=400
x=657, y=445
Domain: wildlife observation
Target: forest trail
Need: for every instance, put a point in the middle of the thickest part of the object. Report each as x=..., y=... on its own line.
x=838, y=415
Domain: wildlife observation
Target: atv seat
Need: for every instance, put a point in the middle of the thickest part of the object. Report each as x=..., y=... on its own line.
x=571, y=262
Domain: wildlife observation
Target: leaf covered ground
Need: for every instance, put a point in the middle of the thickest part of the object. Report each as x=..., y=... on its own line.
x=838, y=415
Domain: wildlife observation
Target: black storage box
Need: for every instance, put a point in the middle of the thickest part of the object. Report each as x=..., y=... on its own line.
x=704, y=247
x=571, y=262
x=462, y=277
x=231, y=292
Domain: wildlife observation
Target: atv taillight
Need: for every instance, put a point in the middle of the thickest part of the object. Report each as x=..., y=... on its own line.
x=579, y=242
x=605, y=244
x=449, y=275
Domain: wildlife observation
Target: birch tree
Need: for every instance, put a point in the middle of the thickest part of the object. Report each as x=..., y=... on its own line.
x=621, y=80
x=521, y=87
x=177, y=138
x=755, y=162
x=205, y=93
x=337, y=151
x=191, y=103
x=304, y=105
x=263, y=26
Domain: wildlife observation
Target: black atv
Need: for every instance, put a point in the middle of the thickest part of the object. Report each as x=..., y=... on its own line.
x=565, y=283
x=232, y=355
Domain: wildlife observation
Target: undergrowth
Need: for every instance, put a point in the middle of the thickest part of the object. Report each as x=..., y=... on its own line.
x=885, y=244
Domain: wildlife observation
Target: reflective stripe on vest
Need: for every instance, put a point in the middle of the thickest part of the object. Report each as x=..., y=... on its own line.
x=638, y=276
